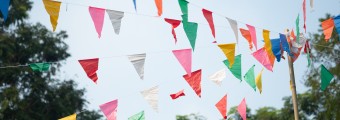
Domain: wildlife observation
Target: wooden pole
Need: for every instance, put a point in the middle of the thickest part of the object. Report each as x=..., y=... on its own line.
x=292, y=78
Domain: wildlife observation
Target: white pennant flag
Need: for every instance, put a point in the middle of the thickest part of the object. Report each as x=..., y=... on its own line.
x=138, y=61
x=218, y=76
x=151, y=95
x=233, y=25
x=116, y=19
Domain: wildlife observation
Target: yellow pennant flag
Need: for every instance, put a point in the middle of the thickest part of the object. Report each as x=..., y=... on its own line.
x=52, y=8
x=268, y=47
x=258, y=81
x=71, y=117
x=229, y=52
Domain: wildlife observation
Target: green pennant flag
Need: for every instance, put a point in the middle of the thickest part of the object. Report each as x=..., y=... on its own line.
x=326, y=77
x=184, y=6
x=138, y=116
x=235, y=69
x=190, y=29
x=297, y=29
x=40, y=66
x=250, y=77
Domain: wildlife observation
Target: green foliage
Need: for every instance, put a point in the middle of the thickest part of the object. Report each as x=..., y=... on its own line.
x=266, y=113
x=234, y=115
x=192, y=116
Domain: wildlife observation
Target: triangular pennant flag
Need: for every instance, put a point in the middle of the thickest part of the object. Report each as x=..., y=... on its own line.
x=258, y=81
x=229, y=52
x=134, y=4
x=276, y=48
x=284, y=44
x=177, y=95
x=249, y=77
x=97, y=15
x=151, y=95
x=190, y=29
x=138, y=116
x=116, y=19
x=184, y=7
x=52, y=8
x=40, y=66
x=327, y=27
x=70, y=117
x=268, y=47
x=184, y=57
x=110, y=109
x=326, y=77
x=292, y=35
x=218, y=76
x=307, y=51
x=194, y=81
x=337, y=24
x=233, y=25
x=235, y=69
x=138, y=61
x=252, y=34
x=174, y=24
x=208, y=16
x=222, y=106
x=296, y=54
x=311, y=4
x=297, y=28
x=304, y=14
x=262, y=56
x=242, y=109
x=247, y=36
x=159, y=6
x=90, y=66
x=4, y=8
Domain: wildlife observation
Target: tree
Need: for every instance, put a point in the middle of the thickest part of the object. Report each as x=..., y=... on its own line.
x=192, y=116
x=28, y=95
x=266, y=113
x=234, y=115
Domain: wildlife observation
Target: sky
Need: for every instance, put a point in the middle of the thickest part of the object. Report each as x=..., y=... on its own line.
x=144, y=32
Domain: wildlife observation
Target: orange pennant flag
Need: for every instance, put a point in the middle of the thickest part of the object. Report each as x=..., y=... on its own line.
x=328, y=26
x=246, y=35
x=159, y=7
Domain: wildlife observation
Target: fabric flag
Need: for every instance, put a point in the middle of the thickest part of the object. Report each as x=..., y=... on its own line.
x=307, y=51
x=262, y=56
x=252, y=34
x=174, y=24
x=184, y=7
x=292, y=35
x=337, y=24
x=247, y=36
x=194, y=81
x=40, y=66
x=190, y=29
x=116, y=19
x=97, y=15
x=90, y=66
x=159, y=6
x=326, y=77
x=110, y=109
x=138, y=61
x=70, y=117
x=177, y=95
x=297, y=27
x=218, y=76
x=327, y=27
x=229, y=52
x=296, y=55
x=276, y=48
x=208, y=16
x=304, y=14
x=151, y=95
x=242, y=109
x=249, y=77
x=222, y=106
x=52, y=8
x=235, y=69
x=233, y=25
x=4, y=8
x=284, y=44
x=258, y=81
x=268, y=47
x=184, y=57
x=134, y=4
x=311, y=4
x=138, y=116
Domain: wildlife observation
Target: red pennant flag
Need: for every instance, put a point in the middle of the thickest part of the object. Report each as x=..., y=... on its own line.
x=208, y=15
x=307, y=48
x=304, y=14
x=90, y=66
x=242, y=109
x=174, y=24
x=328, y=26
x=222, y=106
x=194, y=81
x=246, y=35
x=296, y=55
x=177, y=95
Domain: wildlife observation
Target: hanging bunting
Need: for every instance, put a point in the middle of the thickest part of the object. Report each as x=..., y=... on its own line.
x=258, y=81
x=90, y=66
x=151, y=95
x=138, y=61
x=52, y=8
x=70, y=117
x=233, y=25
x=138, y=116
x=235, y=69
x=307, y=51
x=328, y=26
x=229, y=52
x=177, y=95
x=222, y=106
x=97, y=15
x=174, y=24
x=296, y=54
x=134, y=4
x=247, y=36
x=183, y=4
x=159, y=6
x=116, y=19
x=326, y=77
x=253, y=34
x=110, y=109
x=276, y=48
x=268, y=47
x=184, y=57
x=194, y=81
x=337, y=24
x=262, y=57
x=208, y=16
x=297, y=28
x=284, y=44
x=40, y=66
x=304, y=14
x=242, y=109
x=218, y=77
x=249, y=77
x=190, y=29
x=297, y=47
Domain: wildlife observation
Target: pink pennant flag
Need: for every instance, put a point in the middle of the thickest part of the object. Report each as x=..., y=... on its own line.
x=262, y=56
x=195, y=81
x=110, y=109
x=208, y=15
x=90, y=66
x=97, y=15
x=174, y=24
x=177, y=95
x=253, y=35
x=242, y=109
x=222, y=106
x=184, y=58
